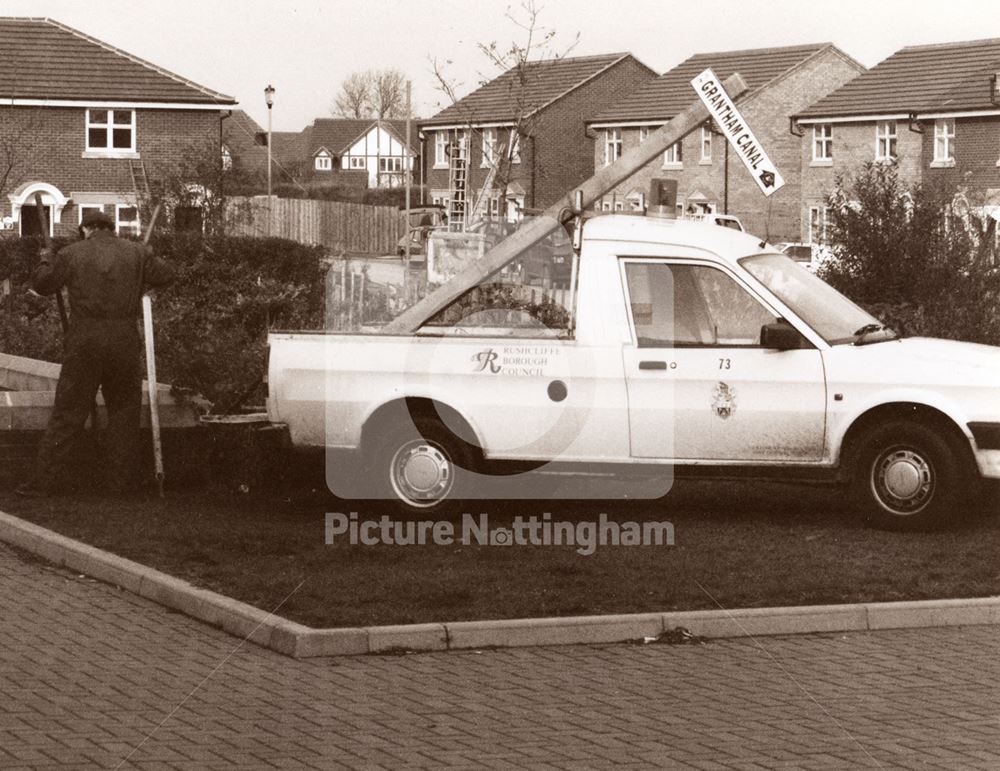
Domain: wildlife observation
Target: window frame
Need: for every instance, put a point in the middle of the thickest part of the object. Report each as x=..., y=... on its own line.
x=323, y=161
x=515, y=151
x=488, y=148
x=440, y=149
x=886, y=141
x=706, y=144
x=612, y=145
x=625, y=260
x=673, y=156
x=822, y=138
x=643, y=134
x=110, y=126
x=120, y=223
x=822, y=218
x=943, y=136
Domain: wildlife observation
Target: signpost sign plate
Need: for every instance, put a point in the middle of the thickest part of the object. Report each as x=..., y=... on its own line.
x=737, y=132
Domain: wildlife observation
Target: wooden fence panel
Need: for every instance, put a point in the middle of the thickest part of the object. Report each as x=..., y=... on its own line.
x=339, y=226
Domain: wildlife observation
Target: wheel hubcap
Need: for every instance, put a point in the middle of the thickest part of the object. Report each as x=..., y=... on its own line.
x=421, y=473
x=903, y=481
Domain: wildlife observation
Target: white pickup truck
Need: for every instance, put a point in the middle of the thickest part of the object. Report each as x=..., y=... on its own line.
x=684, y=347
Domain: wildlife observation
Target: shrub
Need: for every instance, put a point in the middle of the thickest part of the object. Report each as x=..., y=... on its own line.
x=210, y=326
x=921, y=258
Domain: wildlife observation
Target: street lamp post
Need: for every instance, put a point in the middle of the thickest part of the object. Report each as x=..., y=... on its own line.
x=269, y=98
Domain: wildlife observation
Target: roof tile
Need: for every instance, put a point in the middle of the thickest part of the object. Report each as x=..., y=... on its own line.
x=936, y=78
x=661, y=99
x=43, y=59
x=503, y=97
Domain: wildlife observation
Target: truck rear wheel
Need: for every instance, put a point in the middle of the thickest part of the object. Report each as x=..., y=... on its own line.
x=422, y=467
x=906, y=476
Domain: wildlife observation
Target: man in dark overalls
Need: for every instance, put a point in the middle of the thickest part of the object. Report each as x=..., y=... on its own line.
x=105, y=277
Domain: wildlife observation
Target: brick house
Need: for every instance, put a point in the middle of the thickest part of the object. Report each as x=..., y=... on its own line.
x=543, y=106
x=244, y=144
x=934, y=110
x=781, y=82
x=88, y=125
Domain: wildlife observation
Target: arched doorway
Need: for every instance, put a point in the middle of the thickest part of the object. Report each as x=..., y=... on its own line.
x=25, y=212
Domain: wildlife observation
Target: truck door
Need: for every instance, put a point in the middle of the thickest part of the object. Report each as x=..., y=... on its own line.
x=700, y=387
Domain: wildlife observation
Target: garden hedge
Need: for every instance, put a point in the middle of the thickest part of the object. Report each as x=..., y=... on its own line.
x=210, y=325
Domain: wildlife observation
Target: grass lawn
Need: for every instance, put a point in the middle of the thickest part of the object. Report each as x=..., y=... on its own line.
x=745, y=544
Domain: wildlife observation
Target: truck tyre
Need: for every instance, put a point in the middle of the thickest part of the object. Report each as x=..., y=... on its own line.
x=906, y=476
x=423, y=467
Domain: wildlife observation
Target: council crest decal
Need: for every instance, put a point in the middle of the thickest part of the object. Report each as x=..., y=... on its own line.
x=724, y=400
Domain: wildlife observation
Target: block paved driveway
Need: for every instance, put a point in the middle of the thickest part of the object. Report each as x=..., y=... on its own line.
x=91, y=676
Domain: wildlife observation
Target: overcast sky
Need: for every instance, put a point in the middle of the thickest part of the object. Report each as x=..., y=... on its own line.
x=305, y=48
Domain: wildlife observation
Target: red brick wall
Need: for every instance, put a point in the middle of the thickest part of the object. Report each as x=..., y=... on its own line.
x=777, y=217
x=558, y=155
x=56, y=157
x=976, y=152
x=564, y=150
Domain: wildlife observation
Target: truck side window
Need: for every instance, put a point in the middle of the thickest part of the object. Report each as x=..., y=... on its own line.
x=692, y=305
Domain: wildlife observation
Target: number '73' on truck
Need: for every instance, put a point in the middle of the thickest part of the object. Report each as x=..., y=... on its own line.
x=678, y=347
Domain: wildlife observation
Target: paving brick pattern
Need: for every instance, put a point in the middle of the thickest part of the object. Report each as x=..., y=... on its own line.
x=93, y=677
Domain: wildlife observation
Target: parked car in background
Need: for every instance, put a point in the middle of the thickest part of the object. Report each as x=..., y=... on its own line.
x=423, y=221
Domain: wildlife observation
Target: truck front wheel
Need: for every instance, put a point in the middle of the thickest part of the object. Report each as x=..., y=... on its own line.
x=906, y=476
x=423, y=467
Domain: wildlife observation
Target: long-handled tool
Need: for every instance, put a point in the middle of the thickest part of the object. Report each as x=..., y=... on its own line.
x=60, y=302
x=147, y=328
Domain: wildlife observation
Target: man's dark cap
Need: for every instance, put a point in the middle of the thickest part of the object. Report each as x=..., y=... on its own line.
x=97, y=219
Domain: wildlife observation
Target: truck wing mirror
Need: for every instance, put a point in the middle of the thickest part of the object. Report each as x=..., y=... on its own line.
x=782, y=336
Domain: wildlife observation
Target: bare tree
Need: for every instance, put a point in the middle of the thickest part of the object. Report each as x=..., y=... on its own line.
x=372, y=94
x=389, y=93
x=517, y=62
x=354, y=99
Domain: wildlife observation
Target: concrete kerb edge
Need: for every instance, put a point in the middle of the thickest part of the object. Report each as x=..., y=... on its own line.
x=297, y=640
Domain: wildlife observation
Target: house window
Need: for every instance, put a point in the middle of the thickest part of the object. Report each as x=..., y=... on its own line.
x=885, y=140
x=672, y=155
x=323, y=161
x=643, y=134
x=356, y=162
x=110, y=131
x=227, y=158
x=441, y=149
x=823, y=142
x=706, y=144
x=86, y=207
x=489, y=149
x=612, y=145
x=944, y=141
x=393, y=163
x=817, y=224
x=127, y=220
x=515, y=155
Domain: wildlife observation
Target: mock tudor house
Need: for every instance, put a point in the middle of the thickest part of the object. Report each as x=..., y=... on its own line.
x=934, y=110
x=781, y=82
x=83, y=123
x=536, y=115
x=373, y=149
